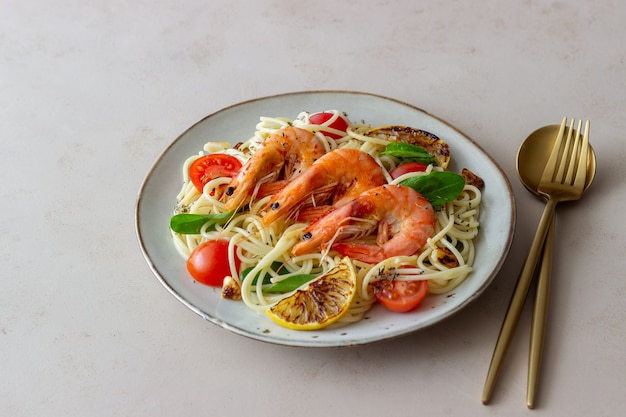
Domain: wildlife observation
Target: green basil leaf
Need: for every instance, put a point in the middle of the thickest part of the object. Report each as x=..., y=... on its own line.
x=437, y=187
x=408, y=152
x=290, y=284
x=191, y=224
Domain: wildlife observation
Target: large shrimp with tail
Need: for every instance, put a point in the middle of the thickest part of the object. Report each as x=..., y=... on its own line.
x=403, y=219
x=335, y=179
x=283, y=155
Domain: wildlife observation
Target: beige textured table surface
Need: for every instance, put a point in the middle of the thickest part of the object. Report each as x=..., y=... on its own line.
x=91, y=92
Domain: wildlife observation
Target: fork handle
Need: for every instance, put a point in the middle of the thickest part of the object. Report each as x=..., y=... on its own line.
x=517, y=301
x=540, y=314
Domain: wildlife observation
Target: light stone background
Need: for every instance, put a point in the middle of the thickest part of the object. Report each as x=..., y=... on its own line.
x=91, y=92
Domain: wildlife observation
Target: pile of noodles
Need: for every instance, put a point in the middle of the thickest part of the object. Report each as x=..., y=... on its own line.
x=260, y=246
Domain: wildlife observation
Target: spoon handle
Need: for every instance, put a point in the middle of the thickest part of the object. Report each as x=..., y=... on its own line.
x=540, y=313
x=517, y=301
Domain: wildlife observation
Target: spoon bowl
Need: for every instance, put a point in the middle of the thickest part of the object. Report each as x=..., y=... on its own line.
x=533, y=155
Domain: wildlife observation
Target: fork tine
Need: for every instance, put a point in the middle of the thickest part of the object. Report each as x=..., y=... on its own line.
x=581, y=172
x=551, y=165
x=570, y=155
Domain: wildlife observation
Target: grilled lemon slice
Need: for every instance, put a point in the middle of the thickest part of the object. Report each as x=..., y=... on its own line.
x=321, y=303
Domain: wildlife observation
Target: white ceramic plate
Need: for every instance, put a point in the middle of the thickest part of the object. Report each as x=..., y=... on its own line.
x=156, y=201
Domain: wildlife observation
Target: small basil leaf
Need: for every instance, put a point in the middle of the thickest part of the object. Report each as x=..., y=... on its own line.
x=191, y=224
x=408, y=152
x=290, y=284
x=437, y=187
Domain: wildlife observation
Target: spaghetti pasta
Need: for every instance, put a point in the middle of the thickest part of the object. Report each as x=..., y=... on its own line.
x=445, y=260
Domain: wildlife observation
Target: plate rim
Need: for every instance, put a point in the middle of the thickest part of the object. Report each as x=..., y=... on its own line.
x=312, y=342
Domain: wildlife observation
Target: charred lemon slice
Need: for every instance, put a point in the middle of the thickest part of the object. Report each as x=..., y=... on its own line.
x=431, y=143
x=321, y=303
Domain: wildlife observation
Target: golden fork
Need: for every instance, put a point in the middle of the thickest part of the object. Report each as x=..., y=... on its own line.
x=563, y=179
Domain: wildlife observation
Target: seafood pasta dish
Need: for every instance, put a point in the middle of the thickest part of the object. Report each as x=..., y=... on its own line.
x=313, y=220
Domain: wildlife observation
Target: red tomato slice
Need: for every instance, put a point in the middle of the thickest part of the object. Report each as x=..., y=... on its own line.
x=406, y=168
x=208, y=263
x=400, y=296
x=209, y=167
x=341, y=123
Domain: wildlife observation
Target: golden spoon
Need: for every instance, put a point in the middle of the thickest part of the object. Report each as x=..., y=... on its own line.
x=532, y=157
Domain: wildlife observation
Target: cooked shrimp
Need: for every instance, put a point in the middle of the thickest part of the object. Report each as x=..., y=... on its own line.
x=431, y=143
x=336, y=178
x=285, y=154
x=403, y=218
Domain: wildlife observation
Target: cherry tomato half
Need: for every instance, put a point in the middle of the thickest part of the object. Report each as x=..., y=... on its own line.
x=400, y=296
x=407, y=167
x=341, y=123
x=208, y=263
x=209, y=167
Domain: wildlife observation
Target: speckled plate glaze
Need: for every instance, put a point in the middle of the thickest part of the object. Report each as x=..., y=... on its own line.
x=156, y=201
